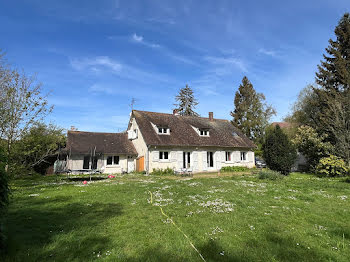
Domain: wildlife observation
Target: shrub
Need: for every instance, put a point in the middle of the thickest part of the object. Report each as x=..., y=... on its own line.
x=234, y=169
x=4, y=195
x=278, y=151
x=331, y=166
x=270, y=174
x=163, y=172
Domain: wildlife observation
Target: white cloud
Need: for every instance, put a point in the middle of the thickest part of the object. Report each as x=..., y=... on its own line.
x=267, y=52
x=137, y=38
x=224, y=65
x=95, y=64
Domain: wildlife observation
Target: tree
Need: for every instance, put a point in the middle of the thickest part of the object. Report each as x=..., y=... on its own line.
x=334, y=71
x=186, y=102
x=38, y=143
x=312, y=145
x=251, y=113
x=21, y=104
x=278, y=151
x=4, y=194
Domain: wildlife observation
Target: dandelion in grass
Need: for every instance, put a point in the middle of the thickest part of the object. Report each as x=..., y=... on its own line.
x=33, y=195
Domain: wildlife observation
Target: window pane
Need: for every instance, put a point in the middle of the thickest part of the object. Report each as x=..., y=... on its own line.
x=86, y=164
x=109, y=160
x=160, y=155
x=116, y=160
x=166, y=155
x=160, y=130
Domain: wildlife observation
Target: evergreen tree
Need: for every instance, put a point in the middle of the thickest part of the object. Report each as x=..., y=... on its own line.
x=186, y=102
x=334, y=71
x=251, y=113
x=278, y=151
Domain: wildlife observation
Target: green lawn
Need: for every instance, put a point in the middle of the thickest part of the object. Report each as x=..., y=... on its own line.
x=231, y=218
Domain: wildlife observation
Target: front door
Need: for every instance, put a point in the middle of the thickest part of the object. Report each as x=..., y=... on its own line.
x=210, y=159
x=131, y=165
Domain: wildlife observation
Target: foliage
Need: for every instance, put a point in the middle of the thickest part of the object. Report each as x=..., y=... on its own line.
x=251, y=113
x=270, y=174
x=334, y=71
x=36, y=144
x=163, y=172
x=4, y=195
x=311, y=145
x=278, y=151
x=186, y=102
x=331, y=166
x=234, y=169
x=21, y=104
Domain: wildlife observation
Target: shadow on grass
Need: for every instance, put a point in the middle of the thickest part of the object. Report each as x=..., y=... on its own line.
x=62, y=230
x=87, y=178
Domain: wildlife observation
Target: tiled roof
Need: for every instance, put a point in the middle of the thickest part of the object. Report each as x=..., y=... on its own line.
x=105, y=143
x=222, y=132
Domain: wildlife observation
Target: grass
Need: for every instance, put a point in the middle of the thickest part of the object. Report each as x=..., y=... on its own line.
x=227, y=218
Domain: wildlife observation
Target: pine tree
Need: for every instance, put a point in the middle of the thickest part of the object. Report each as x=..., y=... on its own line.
x=278, y=151
x=251, y=113
x=186, y=102
x=334, y=71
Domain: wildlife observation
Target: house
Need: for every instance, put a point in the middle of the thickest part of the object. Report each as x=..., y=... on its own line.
x=158, y=140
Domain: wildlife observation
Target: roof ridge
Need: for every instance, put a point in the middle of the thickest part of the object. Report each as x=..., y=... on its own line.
x=89, y=132
x=207, y=118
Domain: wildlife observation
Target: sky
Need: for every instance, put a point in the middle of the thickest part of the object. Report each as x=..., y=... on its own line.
x=93, y=57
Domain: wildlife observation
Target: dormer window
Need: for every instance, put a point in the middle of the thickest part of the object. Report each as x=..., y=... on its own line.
x=163, y=130
x=203, y=132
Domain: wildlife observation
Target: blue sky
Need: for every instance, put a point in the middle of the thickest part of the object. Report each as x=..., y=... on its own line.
x=94, y=56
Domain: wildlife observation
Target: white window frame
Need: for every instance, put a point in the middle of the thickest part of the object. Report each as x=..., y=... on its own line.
x=162, y=155
x=203, y=132
x=163, y=130
x=243, y=156
x=228, y=153
x=113, y=163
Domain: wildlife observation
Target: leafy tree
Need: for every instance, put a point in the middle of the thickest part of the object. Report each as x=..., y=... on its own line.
x=38, y=143
x=278, y=151
x=312, y=145
x=334, y=71
x=186, y=102
x=251, y=113
x=331, y=166
x=4, y=195
x=21, y=104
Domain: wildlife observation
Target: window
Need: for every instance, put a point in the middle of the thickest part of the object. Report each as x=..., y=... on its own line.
x=163, y=155
x=243, y=156
x=228, y=156
x=163, y=130
x=112, y=160
x=86, y=164
x=203, y=132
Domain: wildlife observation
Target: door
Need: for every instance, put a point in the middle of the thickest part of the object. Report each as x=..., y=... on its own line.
x=210, y=159
x=140, y=164
x=186, y=160
x=131, y=165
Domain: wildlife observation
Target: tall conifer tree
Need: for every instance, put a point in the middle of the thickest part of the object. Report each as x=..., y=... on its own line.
x=186, y=102
x=251, y=113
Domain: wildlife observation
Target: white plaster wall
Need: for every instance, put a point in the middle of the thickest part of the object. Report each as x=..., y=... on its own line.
x=199, y=158
x=76, y=163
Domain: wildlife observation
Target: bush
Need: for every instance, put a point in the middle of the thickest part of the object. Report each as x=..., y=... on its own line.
x=234, y=169
x=270, y=174
x=331, y=166
x=4, y=195
x=278, y=151
x=163, y=172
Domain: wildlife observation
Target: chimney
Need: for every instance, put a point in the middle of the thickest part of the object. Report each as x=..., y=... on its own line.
x=175, y=112
x=211, y=116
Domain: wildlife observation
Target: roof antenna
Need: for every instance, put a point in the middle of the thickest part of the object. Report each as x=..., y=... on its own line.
x=133, y=100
